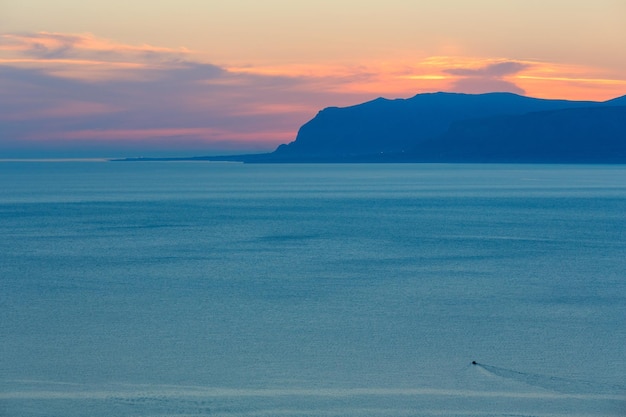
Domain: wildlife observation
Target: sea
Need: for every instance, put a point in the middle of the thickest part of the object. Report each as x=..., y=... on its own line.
x=225, y=289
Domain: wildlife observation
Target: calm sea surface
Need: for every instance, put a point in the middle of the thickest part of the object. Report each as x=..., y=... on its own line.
x=218, y=289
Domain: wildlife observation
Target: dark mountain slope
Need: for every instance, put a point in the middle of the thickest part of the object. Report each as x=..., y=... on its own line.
x=587, y=135
x=448, y=127
x=393, y=126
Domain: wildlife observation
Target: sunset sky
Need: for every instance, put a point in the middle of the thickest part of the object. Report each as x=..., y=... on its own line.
x=193, y=77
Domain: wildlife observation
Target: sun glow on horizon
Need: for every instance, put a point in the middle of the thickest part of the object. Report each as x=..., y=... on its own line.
x=139, y=92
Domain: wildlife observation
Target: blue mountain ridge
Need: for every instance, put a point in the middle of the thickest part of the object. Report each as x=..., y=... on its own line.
x=449, y=127
x=454, y=127
x=391, y=126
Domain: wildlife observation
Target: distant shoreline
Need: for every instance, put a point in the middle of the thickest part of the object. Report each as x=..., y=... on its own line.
x=55, y=160
x=356, y=161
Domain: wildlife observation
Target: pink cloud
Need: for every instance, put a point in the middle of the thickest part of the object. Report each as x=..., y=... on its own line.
x=46, y=45
x=87, y=57
x=61, y=109
x=205, y=134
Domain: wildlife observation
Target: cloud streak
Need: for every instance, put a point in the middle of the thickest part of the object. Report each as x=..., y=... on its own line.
x=491, y=77
x=46, y=45
x=497, y=70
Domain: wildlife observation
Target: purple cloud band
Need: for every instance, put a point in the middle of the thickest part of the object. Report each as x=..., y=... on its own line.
x=487, y=78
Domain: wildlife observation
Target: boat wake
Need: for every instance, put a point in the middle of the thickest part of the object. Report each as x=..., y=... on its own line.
x=554, y=383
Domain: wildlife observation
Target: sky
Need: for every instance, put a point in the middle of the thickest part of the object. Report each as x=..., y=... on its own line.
x=200, y=77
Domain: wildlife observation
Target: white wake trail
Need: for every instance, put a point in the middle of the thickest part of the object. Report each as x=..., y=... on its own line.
x=554, y=383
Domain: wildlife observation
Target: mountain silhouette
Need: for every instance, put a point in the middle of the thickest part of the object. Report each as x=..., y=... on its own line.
x=396, y=126
x=450, y=127
x=453, y=127
x=575, y=135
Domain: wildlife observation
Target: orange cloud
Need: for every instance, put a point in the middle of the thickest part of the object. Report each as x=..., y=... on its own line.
x=549, y=80
x=530, y=77
x=454, y=73
x=90, y=58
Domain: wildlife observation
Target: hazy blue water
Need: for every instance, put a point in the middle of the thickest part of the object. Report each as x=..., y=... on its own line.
x=153, y=289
